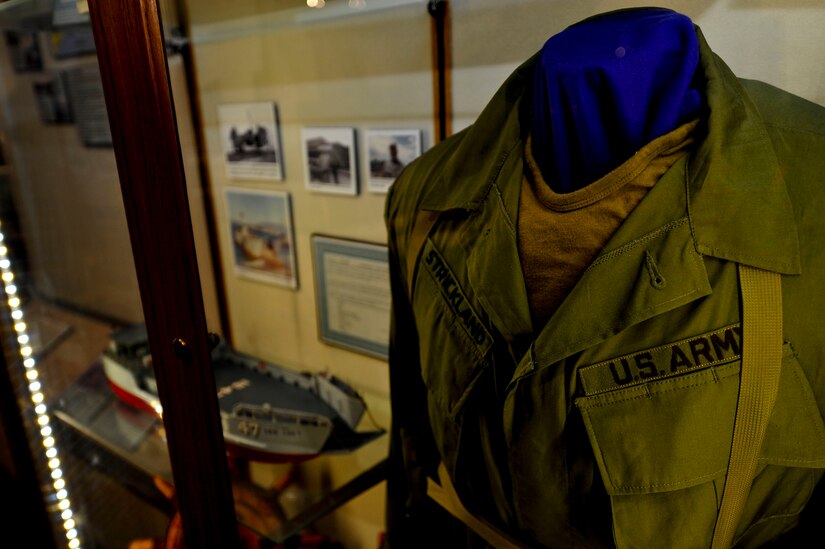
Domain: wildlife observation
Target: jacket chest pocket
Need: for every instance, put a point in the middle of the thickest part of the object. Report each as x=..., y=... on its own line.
x=662, y=449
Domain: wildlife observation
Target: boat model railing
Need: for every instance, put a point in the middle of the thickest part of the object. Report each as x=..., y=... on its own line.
x=349, y=406
x=131, y=351
x=268, y=414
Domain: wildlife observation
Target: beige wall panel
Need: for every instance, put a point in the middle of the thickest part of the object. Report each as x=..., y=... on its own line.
x=367, y=72
x=277, y=323
x=71, y=207
x=771, y=40
x=194, y=189
x=204, y=12
x=327, y=74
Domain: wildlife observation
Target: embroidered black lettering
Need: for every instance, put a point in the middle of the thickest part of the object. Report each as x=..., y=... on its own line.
x=464, y=315
x=722, y=346
x=628, y=375
x=646, y=366
x=454, y=297
x=485, y=320
x=471, y=323
x=474, y=326
x=650, y=365
x=678, y=359
x=447, y=283
x=700, y=347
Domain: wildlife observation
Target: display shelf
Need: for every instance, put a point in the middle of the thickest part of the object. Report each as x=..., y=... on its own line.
x=63, y=342
x=124, y=435
x=90, y=408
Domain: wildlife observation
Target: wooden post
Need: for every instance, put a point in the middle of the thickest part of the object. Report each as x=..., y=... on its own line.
x=132, y=61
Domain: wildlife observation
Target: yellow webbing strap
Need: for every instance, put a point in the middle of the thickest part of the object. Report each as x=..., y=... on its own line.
x=424, y=221
x=445, y=495
x=758, y=385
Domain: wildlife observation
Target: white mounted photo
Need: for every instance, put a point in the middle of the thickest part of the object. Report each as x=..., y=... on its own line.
x=389, y=151
x=329, y=160
x=260, y=230
x=250, y=141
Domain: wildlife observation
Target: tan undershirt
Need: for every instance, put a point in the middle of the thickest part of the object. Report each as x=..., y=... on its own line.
x=559, y=235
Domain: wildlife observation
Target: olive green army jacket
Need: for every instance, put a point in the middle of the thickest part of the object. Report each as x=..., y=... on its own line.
x=612, y=424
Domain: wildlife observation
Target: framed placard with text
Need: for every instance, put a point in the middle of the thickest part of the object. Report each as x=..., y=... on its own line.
x=352, y=286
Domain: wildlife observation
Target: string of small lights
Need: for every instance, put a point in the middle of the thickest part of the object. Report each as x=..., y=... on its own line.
x=36, y=395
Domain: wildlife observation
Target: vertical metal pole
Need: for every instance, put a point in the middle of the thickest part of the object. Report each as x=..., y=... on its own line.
x=190, y=68
x=442, y=80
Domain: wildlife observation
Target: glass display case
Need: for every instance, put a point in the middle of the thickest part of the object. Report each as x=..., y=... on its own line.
x=192, y=180
x=69, y=278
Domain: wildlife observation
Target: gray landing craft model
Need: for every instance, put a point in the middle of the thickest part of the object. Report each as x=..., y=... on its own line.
x=268, y=412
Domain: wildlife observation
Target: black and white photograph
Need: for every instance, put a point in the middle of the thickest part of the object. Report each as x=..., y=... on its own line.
x=389, y=151
x=24, y=50
x=260, y=227
x=89, y=105
x=53, y=99
x=250, y=139
x=329, y=160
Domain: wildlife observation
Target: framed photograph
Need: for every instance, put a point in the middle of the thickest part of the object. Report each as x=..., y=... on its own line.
x=329, y=160
x=352, y=290
x=24, y=50
x=260, y=229
x=89, y=105
x=251, y=141
x=389, y=151
x=53, y=102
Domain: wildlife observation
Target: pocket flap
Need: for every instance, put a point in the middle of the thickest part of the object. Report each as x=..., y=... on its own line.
x=796, y=432
x=664, y=435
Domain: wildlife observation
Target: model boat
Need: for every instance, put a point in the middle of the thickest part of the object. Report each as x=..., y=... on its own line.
x=267, y=411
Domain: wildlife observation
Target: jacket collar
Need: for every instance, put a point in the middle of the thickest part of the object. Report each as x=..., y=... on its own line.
x=739, y=208
x=738, y=205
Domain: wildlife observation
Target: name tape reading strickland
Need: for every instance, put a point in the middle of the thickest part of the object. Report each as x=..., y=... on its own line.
x=454, y=296
x=702, y=351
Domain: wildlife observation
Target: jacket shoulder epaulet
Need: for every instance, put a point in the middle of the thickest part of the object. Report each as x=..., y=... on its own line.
x=784, y=110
